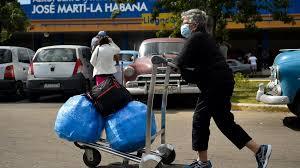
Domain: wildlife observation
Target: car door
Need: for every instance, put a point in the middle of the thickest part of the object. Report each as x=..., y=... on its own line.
x=31, y=54
x=23, y=64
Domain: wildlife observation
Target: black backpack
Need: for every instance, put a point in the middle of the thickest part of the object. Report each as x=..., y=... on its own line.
x=109, y=96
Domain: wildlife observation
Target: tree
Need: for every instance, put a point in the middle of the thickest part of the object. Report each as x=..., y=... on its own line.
x=12, y=19
x=220, y=11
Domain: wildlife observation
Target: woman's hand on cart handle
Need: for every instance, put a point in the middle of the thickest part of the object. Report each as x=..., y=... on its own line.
x=158, y=59
x=172, y=65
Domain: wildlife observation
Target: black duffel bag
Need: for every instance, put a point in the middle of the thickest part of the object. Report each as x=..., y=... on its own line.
x=109, y=96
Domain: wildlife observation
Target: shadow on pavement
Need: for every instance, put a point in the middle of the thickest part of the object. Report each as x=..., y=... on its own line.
x=177, y=102
x=119, y=165
x=53, y=99
x=42, y=99
x=292, y=123
x=10, y=99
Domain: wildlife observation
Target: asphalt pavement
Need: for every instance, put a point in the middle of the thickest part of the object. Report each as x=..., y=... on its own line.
x=28, y=141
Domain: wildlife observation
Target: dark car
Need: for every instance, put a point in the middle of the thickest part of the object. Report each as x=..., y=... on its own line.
x=238, y=67
x=137, y=75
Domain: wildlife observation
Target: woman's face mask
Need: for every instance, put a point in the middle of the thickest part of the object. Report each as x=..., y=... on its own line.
x=185, y=30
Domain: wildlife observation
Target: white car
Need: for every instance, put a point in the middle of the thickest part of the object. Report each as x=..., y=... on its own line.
x=62, y=69
x=14, y=65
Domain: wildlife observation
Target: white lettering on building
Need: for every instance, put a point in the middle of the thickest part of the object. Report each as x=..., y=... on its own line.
x=42, y=0
x=43, y=9
x=97, y=9
x=86, y=7
x=110, y=7
x=71, y=8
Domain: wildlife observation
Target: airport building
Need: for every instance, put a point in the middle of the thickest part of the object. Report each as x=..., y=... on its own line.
x=77, y=21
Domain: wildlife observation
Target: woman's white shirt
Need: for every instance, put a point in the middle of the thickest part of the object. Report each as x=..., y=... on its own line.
x=102, y=59
x=252, y=60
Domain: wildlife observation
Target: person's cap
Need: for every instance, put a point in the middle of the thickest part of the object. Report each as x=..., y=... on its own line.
x=102, y=33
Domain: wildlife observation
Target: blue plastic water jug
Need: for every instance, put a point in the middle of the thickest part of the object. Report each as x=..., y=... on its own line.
x=78, y=120
x=126, y=129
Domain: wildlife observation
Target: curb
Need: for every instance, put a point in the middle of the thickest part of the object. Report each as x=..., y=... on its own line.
x=259, y=107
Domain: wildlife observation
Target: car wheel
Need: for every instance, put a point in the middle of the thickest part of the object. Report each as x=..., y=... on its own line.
x=295, y=106
x=20, y=93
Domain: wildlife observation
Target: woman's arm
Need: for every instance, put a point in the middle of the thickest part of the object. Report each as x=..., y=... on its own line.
x=94, y=56
x=115, y=48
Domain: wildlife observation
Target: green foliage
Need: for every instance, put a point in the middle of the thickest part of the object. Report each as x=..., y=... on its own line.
x=245, y=89
x=12, y=19
x=241, y=81
x=239, y=11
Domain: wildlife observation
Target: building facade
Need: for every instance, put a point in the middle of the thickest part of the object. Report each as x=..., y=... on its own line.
x=77, y=21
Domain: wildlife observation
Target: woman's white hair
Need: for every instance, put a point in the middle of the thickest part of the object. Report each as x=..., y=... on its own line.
x=197, y=16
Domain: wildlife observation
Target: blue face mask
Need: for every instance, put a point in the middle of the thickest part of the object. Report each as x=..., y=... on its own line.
x=185, y=30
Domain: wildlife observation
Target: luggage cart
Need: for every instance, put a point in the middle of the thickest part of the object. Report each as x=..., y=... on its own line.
x=146, y=158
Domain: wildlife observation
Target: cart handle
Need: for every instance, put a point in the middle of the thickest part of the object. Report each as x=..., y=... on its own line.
x=158, y=59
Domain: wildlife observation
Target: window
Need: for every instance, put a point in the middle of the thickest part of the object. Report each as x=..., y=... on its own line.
x=126, y=57
x=5, y=56
x=31, y=54
x=23, y=56
x=149, y=49
x=56, y=55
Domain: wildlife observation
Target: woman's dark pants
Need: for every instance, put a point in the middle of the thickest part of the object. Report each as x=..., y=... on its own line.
x=216, y=103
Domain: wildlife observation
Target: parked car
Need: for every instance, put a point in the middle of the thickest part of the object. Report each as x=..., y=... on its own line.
x=238, y=67
x=60, y=69
x=284, y=86
x=14, y=65
x=126, y=57
x=137, y=75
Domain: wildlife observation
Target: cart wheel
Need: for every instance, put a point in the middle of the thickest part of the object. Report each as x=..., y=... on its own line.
x=91, y=157
x=139, y=153
x=167, y=153
x=159, y=165
x=150, y=161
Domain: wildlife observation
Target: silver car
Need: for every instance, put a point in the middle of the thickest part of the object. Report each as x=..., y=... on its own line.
x=60, y=69
x=14, y=64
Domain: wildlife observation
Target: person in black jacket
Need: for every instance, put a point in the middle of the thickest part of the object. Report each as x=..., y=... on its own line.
x=202, y=63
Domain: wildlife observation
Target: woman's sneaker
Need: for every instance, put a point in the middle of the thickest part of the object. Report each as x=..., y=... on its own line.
x=263, y=155
x=199, y=164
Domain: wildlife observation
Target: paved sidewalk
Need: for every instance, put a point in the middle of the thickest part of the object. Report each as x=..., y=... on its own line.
x=259, y=107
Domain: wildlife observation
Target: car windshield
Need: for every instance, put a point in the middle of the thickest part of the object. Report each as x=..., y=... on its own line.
x=5, y=56
x=149, y=49
x=126, y=57
x=56, y=55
